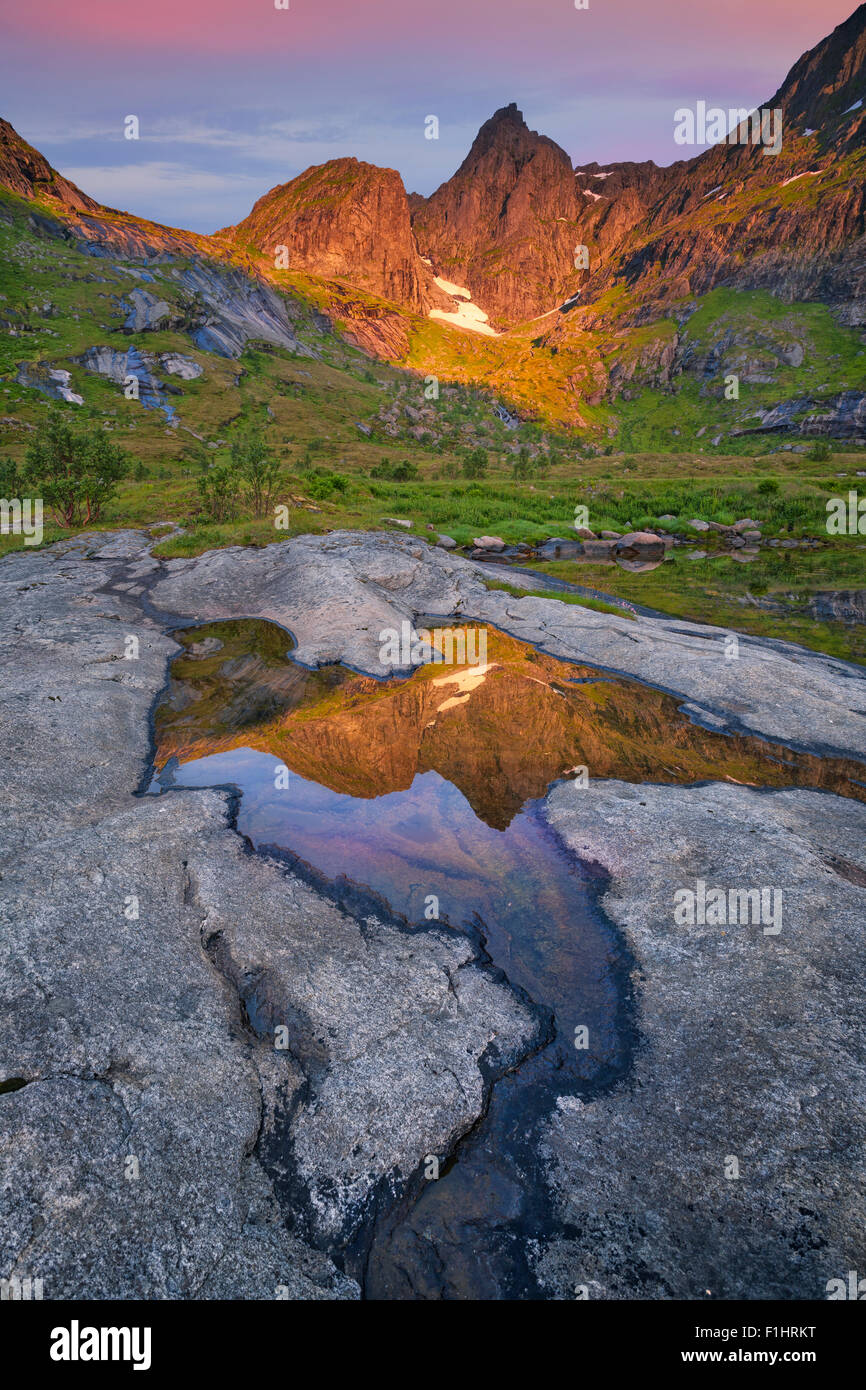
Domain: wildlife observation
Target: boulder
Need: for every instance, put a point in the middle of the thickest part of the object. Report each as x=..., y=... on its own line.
x=598, y=550
x=639, y=545
x=698, y=525
x=489, y=543
x=397, y=521
x=446, y=543
x=148, y=313
x=177, y=365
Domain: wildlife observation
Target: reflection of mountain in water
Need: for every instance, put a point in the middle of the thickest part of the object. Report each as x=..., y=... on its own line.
x=425, y=790
x=501, y=733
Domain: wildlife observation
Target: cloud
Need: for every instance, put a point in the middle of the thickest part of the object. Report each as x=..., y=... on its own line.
x=178, y=195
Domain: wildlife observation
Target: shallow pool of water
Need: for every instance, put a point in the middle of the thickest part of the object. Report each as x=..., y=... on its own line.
x=426, y=792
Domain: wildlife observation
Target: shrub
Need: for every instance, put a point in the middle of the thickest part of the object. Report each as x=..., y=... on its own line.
x=475, y=464
x=219, y=490
x=403, y=472
x=11, y=479
x=323, y=484
x=258, y=471
x=820, y=451
x=767, y=486
x=75, y=470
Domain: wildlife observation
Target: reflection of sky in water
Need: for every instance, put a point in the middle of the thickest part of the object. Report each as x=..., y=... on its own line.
x=530, y=896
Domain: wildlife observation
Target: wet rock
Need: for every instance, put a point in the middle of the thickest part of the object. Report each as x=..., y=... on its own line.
x=119, y=367
x=556, y=549
x=641, y=1176
x=239, y=308
x=51, y=381
x=639, y=545
x=599, y=550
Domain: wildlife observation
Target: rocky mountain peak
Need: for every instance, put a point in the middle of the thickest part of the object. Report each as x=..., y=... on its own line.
x=23, y=170
x=503, y=225
x=344, y=220
x=827, y=82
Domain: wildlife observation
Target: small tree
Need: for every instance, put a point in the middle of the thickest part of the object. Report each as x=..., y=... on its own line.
x=11, y=479
x=198, y=454
x=75, y=470
x=219, y=490
x=475, y=464
x=258, y=471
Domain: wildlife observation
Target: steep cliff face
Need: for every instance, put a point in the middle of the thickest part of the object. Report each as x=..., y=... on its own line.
x=793, y=222
x=26, y=172
x=504, y=225
x=344, y=220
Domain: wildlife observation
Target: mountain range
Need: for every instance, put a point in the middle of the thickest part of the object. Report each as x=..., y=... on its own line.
x=564, y=292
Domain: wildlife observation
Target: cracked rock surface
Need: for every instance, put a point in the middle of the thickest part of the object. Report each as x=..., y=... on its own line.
x=147, y=959
x=752, y=1050
x=156, y=1144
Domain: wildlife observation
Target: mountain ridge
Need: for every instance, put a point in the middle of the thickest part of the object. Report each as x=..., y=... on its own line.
x=373, y=262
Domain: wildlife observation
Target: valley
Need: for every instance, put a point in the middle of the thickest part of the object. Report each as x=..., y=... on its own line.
x=433, y=690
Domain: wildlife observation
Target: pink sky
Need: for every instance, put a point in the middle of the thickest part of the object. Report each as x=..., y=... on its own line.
x=235, y=96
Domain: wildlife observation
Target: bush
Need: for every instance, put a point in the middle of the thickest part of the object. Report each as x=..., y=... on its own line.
x=74, y=470
x=258, y=472
x=219, y=490
x=323, y=484
x=820, y=451
x=767, y=486
x=475, y=464
x=11, y=479
x=404, y=472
